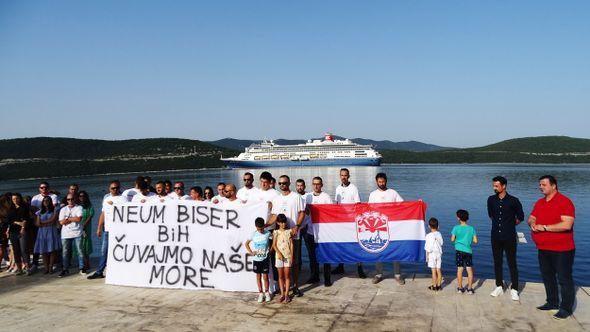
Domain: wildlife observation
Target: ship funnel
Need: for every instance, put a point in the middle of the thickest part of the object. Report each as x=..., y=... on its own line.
x=329, y=137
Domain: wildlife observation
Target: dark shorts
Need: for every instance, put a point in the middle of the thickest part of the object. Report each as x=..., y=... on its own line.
x=262, y=267
x=463, y=259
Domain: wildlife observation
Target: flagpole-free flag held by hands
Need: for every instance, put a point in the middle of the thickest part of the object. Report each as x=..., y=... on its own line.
x=369, y=232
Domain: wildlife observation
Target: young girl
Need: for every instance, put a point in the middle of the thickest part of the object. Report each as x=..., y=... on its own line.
x=282, y=243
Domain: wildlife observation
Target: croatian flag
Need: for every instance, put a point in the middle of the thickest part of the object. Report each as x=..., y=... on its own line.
x=369, y=232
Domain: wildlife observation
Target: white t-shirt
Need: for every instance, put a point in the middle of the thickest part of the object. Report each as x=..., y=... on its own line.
x=434, y=243
x=263, y=196
x=130, y=193
x=37, y=200
x=174, y=195
x=73, y=229
x=348, y=194
x=219, y=198
x=139, y=196
x=312, y=198
x=114, y=199
x=385, y=196
x=244, y=193
x=160, y=199
x=289, y=205
x=234, y=203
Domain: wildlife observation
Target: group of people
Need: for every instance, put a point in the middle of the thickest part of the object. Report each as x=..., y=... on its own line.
x=44, y=226
x=277, y=241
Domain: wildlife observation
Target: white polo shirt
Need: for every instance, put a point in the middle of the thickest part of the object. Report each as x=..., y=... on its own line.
x=347, y=195
x=385, y=196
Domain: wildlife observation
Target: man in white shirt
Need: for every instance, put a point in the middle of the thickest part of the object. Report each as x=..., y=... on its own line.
x=178, y=192
x=129, y=193
x=44, y=191
x=220, y=197
x=231, y=198
x=385, y=195
x=248, y=190
x=71, y=231
x=196, y=193
x=161, y=193
x=265, y=193
x=316, y=197
x=113, y=197
x=144, y=195
x=347, y=193
x=291, y=205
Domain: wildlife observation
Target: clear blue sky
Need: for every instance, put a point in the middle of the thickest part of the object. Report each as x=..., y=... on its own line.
x=454, y=73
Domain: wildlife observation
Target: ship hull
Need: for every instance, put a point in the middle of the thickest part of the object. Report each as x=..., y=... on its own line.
x=299, y=163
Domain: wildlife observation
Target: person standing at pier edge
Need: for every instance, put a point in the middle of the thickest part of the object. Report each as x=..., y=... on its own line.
x=113, y=197
x=552, y=226
x=18, y=221
x=131, y=192
x=161, y=193
x=178, y=192
x=220, y=197
x=48, y=241
x=144, y=195
x=86, y=224
x=385, y=195
x=71, y=232
x=291, y=205
x=248, y=190
x=347, y=193
x=196, y=193
x=316, y=197
x=37, y=200
x=505, y=211
x=208, y=193
x=300, y=189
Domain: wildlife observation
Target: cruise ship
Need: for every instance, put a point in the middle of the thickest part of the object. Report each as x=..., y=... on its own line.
x=327, y=152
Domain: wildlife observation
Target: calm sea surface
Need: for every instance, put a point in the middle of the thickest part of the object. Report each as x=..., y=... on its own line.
x=445, y=188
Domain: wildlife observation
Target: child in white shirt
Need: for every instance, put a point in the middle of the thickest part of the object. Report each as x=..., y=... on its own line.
x=433, y=248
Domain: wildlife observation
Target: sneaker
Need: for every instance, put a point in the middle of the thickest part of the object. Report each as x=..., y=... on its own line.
x=400, y=280
x=561, y=314
x=497, y=291
x=327, y=283
x=361, y=273
x=33, y=269
x=460, y=290
x=19, y=272
x=377, y=278
x=514, y=295
x=95, y=276
x=547, y=307
x=260, y=297
x=470, y=291
x=339, y=269
x=267, y=297
x=83, y=271
x=64, y=273
x=297, y=292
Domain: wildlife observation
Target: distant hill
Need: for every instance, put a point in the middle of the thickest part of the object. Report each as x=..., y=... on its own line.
x=544, y=149
x=240, y=144
x=50, y=157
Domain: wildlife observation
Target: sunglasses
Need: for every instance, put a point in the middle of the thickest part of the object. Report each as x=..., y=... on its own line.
x=283, y=183
x=69, y=199
x=248, y=179
x=114, y=188
x=178, y=188
x=42, y=187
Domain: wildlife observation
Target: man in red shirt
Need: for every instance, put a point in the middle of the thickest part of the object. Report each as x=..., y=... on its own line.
x=552, y=226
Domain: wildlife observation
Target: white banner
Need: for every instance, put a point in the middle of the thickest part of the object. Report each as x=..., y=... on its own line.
x=182, y=244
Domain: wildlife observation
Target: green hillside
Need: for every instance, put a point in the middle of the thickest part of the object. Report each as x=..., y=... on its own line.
x=51, y=157
x=543, y=144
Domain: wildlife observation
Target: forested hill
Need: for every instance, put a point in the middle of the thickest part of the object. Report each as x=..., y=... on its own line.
x=50, y=156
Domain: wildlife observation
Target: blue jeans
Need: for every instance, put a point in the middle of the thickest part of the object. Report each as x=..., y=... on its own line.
x=104, y=253
x=66, y=252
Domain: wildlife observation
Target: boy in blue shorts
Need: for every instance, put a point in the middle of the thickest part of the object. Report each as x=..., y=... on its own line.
x=462, y=236
x=261, y=260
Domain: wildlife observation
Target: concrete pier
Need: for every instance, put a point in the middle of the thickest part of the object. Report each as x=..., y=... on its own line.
x=47, y=303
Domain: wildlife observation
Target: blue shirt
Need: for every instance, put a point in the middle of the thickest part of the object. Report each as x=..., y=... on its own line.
x=503, y=212
x=463, y=237
x=259, y=243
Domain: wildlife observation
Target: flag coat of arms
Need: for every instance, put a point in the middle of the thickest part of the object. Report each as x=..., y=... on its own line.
x=369, y=232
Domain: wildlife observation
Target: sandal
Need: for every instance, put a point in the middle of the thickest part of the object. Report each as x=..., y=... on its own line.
x=432, y=287
x=280, y=299
x=287, y=300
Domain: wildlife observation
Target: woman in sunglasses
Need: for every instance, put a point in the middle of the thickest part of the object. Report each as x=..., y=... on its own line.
x=48, y=241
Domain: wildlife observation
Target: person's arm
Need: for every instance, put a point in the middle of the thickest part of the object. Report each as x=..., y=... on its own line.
x=38, y=221
x=100, y=226
x=247, y=244
x=474, y=238
x=300, y=218
x=274, y=246
x=87, y=220
x=564, y=225
x=532, y=223
x=490, y=210
x=271, y=220
x=291, y=249
x=453, y=238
